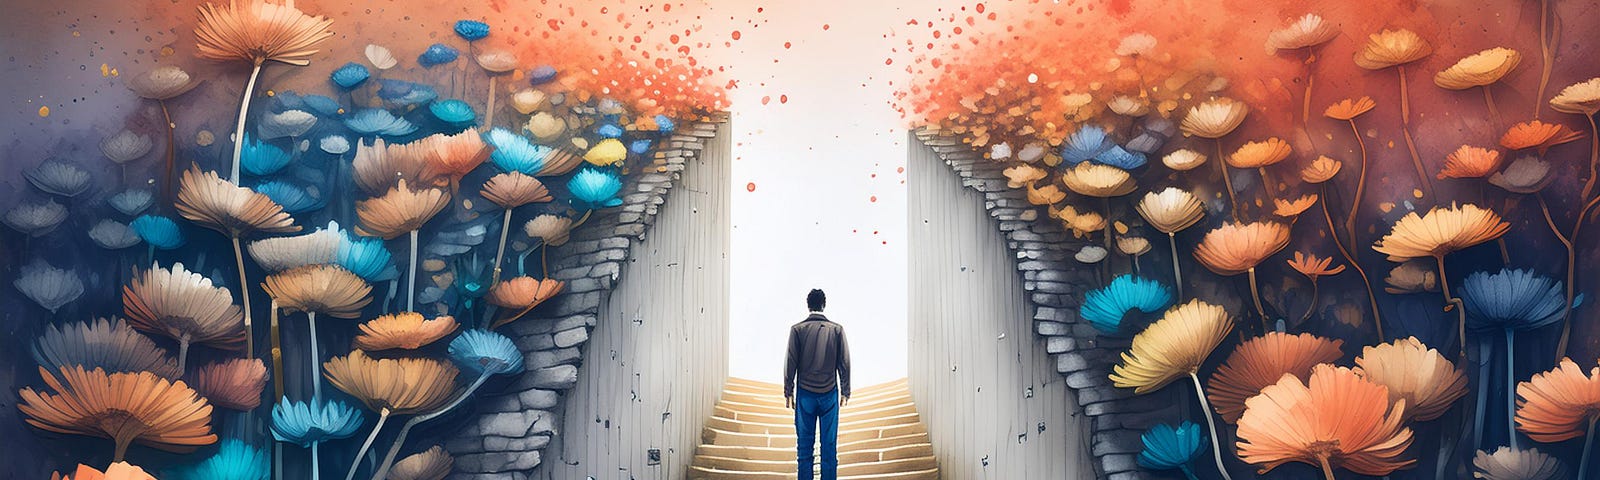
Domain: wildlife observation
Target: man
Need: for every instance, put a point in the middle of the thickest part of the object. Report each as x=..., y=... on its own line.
x=819, y=361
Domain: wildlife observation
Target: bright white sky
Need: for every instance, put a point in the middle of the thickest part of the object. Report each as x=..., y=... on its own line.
x=817, y=163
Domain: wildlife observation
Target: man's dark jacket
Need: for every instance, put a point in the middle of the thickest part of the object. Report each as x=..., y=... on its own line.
x=819, y=357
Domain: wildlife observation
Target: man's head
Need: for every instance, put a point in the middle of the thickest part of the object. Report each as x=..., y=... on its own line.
x=816, y=300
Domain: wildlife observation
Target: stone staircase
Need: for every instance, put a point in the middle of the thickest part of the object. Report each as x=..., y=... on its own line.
x=751, y=436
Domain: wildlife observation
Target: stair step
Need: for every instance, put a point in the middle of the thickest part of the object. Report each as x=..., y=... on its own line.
x=788, y=466
x=701, y=473
x=788, y=454
x=787, y=428
x=784, y=416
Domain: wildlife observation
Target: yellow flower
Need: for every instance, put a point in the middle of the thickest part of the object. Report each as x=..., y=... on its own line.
x=607, y=152
x=1171, y=210
x=1321, y=170
x=1259, y=154
x=1021, y=175
x=1135, y=246
x=1214, y=118
x=1581, y=98
x=1392, y=47
x=1292, y=208
x=1479, y=69
x=1415, y=373
x=1184, y=160
x=1172, y=347
x=1441, y=231
x=1096, y=180
x=1050, y=194
x=1349, y=108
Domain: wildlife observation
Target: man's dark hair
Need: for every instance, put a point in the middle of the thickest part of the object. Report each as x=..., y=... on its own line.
x=816, y=300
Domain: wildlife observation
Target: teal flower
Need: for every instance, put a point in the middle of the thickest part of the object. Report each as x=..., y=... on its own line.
x=1106, y=307
x=377, y=121
x=233, y=461
x=261, y=159
x=514, y=153
x=437, y=54
x=486, y=353
x=1119, y=157
x=593, y=188
x=1167, y=448
x=304, y=423
x=293, y=199
x=365, y=257
x=351, y=75
x=1511, y=299
x=453, y=111
x=160, y=232
x=472, y=30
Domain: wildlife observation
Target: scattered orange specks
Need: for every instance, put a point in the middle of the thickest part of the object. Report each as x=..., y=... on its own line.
x=44, y=111
x=786, y=45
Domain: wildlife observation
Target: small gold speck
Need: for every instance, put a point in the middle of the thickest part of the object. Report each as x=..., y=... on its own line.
x=1416, y=192
x=271, y=93
x=44, y=111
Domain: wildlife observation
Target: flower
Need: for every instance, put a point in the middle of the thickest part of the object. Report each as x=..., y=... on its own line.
x=1172, y=347
x=1167, y=448
x=1392, y=47
x=1508, y=463
x=1082, y=223
x=432, y=464
x=1085, y=144
x=514, y=153
x=606, y=153
x=59, y=178
x=1214, y=118
x=486, y=353
x=1411, y=277
x=113, y=235
x=1260, y=362
x=1470, y=162
x=380, y=167
x=234, y=384
x=277, y=254
x=365, y=257
x=1046, y=195
x=214, y=203
x=448, y=156
x=117, y=471
x=527, y=101
x=1442, y=231
x=1139, y=43
x=1417, y=375
x=1259, y=154
x=36, y=219
x=1183, y=160
x=161, y=83
x=1348, y=109
x=377, y=121
x=305, y=423
x=334, y=144
x=48, y=286
x=403, y=93
x=497, y=61
x=594, y=188
x=1171, y=210
x=553, y=230
x=1235, y=248
x=109, y=345
x=290, y=123
x=380, y=57
x=1293, y=208
x=523, y=293
x=1312, y=267
x=1524, y=175
x=235, y=460
x=350, y=76
x=259, y=31
x=1129, y=106
x=400, y=386
x=160, y=232
x=512, y=190
x=1511, y=299
x=1479, y=69
x=1106, y=307
x=1090, y=254
x=400, y=211
x=545, y=126
x=325, y=289
x=1537, y=134
x=1557, y=405
x=1581, y=98
x=1307, y=31
x=1096, y=180
x=437, y=54
x=293, y=199
x=471, y=30
x=131, y=202
x=453, y=111
x=261, y=159
x=183, y=305
x=1022, y=175
x=125, y=147
x=124, y=407
x=1133, y=245
x=403, y=330
x=1335, y=418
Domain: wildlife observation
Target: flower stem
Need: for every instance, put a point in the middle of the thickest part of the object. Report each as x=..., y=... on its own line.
x=1313, y=306
x=383, y=416
x=488, y=121
x=400, y=440
x=1255, y=295
x=1511, y=388
x=316, y=470
x=1411, y=145
x=1546, y=57
x=1588, y=444
x=1480, y=411
x=172, y=153
x=1451, y=302
x=1222, y=167
x=1494, y=113
x=1361, y=186
x=1177, y=274
x=1594, y=156
x=1566, y=317
x=1377, y=319
x=183, y=354
x=316, y=359
x=1327, y=470
x=277, y=351
x=244, y=295
x=500, y=252
x=411, y=276
x=244, y=112
x=1205, y=410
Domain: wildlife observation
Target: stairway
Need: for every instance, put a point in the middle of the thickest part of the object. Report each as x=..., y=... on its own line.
x=751, y=436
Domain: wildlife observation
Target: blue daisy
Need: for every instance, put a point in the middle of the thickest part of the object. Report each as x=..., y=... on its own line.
x=453, y=111
x=1167, y=448
x=515, y=153
x=1511, y=299
x=160, y=232
x=471, y=30
x=304, y=423
x=541, y=75
x=594, y=188
x=664, y=124
x=486, y=353
x=351, y=75
x=365, y=257
x=293, y=199
x=1085, y=144
x=377, y=121
x=437, y=54
x=1106, y=307
x=234, y=460
x=261, y=159
x=1121, y=158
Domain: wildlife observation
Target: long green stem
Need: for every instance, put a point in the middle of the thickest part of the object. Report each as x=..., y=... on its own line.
x=400, y=440
x=1205, y=410
x=383, y=416
x=316, y=359
x=244, y=295
x=1177, y=273
x=1588, y=445
x=411, y=276
x=238, y=130
x=1511, y=388
x=500, y=251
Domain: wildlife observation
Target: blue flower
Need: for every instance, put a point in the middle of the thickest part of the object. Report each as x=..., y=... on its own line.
x=1105, y=308
x=335, y=144
x=351, y=75
x=260, y=159
x=486, y=353
x=323, y=105
x=1085, y=144
x=1511, y=299
x=365, y=257
x=1121, y=158
x=541, y=75
x=514, y=153
x=595, y=188
x=401, y=92
x=471, y=30
x=377, y=121
x=609, y=130
x=453, y=111
x=304, y=423
x=1166, y=448
x=233, y=461
x=639, y=147
x=664, y=124
x=437, y=54
x=293, y=199
x=158, y=231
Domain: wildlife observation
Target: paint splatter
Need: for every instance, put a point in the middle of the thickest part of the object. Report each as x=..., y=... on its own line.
x=750, y=187
x=44, y=111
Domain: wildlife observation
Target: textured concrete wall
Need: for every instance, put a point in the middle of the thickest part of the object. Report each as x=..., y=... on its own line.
x=984, y=384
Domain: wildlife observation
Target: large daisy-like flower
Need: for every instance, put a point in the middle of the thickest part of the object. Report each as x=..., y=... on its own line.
x=259, y=31
x=515, y=189
x=1309, y=30
x=1423, y=378
x=1392, y=47
x=1262, y=361
x=432, y=464
x=161, y=83
x=553, y=230
x=399, y=386
x=1349, y=108
x=1538, y=135
x=124, y=407
x=1170, y=210
x=1259, y=154
x=1524, y=175
x=1442, y=231
x=183, y=305
x=1470, y=162
x=1235, y=248
x=1106, y=307
x=400, y=211
x=1295, y=207
x=1508, y=463
x=1183, y=160
x=1336, y=419
x=218, y=204
x=117, y=471
x=1582, y=98
x=105, y=344
x=1479, y=69
x=1214, y=118
x=380, y=166
x=234, y=384
x=450, y=156
x=1557, y=405
x=1172, y=347
x=1096, y=180
x=404, y=330
x=324, y=289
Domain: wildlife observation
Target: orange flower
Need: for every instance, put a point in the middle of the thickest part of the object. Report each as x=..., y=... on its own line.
x=1440, y=232
x=512, y=190
x=259, y=31
x=1537, y=134
x=1023, y=174
x=124, y=407
x=1392, y=47
x=400, y=386
x=1415, y=374
x=1336, y=419
x=404, y=330
x=380, y=166
x=1470, y=162
x=1050, y=194
x=522, y=294
x=117, y=471
x=431, y=464
x=1096, y=180
x=232, y=384
x=1260, y=362
x=1235, y=248
x=1312, y=266
x=1479, y=69
x=1292, y=208
x=400, y=211
x=326, y=289
x=1558, y=405
x=218, y=204
x=450, y=156
x=1320, y=170
x=1348, y=108
x=1259, y=154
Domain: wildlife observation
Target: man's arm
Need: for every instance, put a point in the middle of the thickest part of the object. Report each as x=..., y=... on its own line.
x=790, y=367
x=844, y=366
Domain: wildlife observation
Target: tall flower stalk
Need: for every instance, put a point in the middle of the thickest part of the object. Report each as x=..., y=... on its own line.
x=1396, y=48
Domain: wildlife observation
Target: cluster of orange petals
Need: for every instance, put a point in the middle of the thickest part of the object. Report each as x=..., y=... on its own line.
x=1470, y=162
x=117, y=471
x=234, y=384
x=521, y=294
x=1313, y=266
x=1334, y=419
x=1235, y=248
x=1348, y=109
x=1558, y=405
x=1537, y=135
x=1260, y=362
x=403, y=330
x=124, y=407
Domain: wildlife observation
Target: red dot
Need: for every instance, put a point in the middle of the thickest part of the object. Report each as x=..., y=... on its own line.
x=783, y=99
x=900, y=170
x=786, y=45
x=766, y=99
x=825, y=26
x=874, y=199
x=750, y=186
x=735, y=34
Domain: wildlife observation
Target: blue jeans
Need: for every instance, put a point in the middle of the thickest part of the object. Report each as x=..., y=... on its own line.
x=811, y=409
